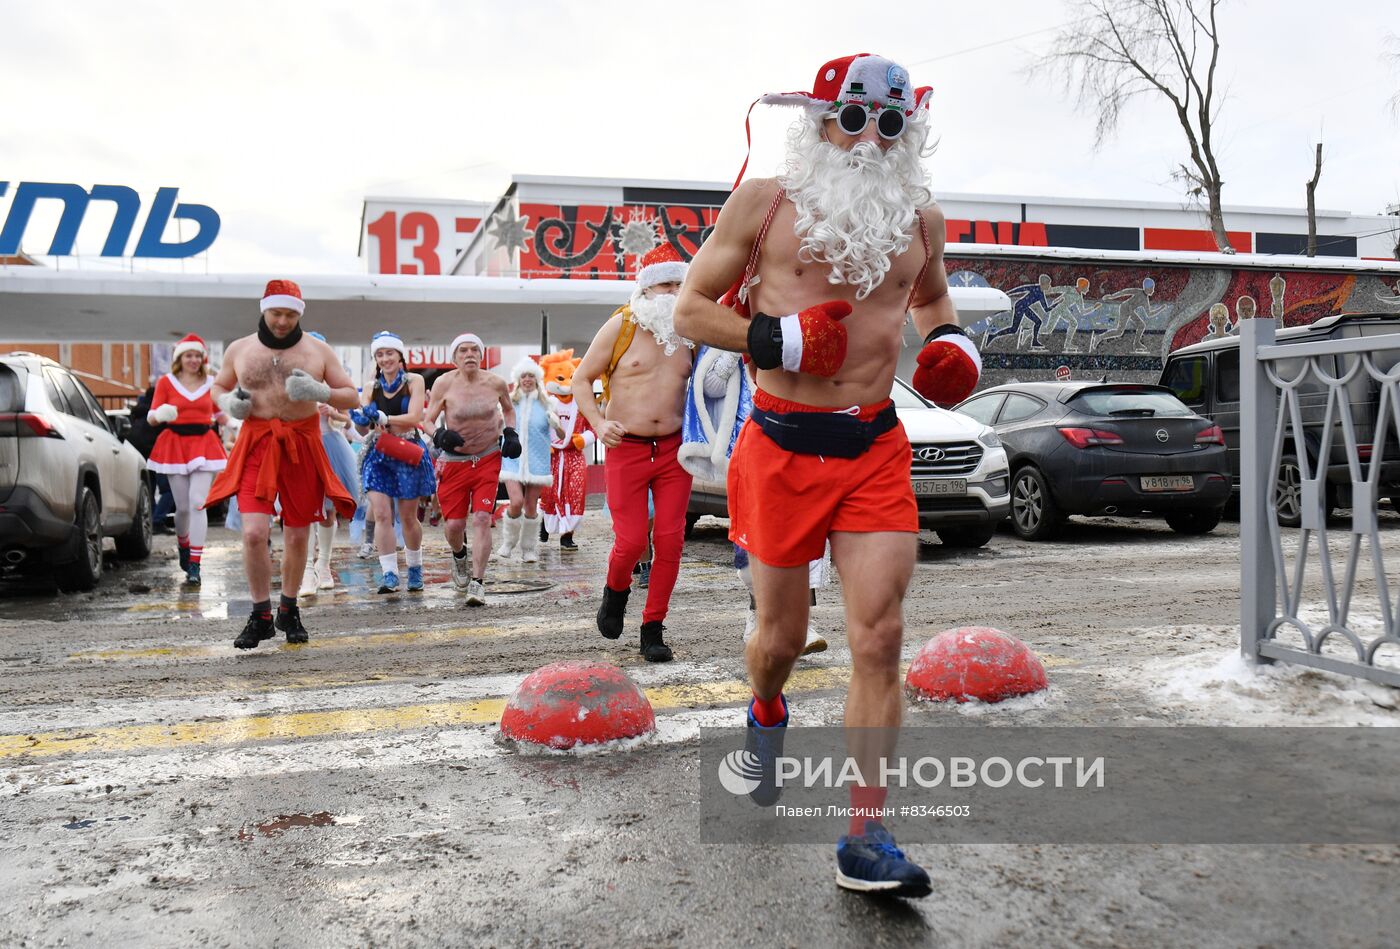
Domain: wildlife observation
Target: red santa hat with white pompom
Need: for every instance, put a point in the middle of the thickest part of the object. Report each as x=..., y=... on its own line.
x=661, y=264
x=282, y=294
x=190, y=343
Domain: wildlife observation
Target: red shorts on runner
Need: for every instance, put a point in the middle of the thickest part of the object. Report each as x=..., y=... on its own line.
x=299, y=490
x=468, y=487
x=783, y=505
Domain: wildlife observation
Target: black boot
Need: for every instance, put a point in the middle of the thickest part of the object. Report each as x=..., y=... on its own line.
x=612, y=611
x=654, y=649
x=544, y=534
x=289, y=622
x=185, y=559
x=259, y=628
x=566, y=541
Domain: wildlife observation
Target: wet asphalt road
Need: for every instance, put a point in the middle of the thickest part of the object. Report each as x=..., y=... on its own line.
x=161, y=789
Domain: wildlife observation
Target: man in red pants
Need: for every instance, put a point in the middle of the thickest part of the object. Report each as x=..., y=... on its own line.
x=842, y=248
x=644, y=366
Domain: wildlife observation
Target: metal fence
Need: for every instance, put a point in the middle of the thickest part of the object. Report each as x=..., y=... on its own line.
x=1318, y=596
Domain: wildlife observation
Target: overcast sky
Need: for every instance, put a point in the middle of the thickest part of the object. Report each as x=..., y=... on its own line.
x=284, y=115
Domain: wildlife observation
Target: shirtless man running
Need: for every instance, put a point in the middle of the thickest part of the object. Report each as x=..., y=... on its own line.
x=846, y=243
x=476, y=404
x=273, y=380
x=644, y=385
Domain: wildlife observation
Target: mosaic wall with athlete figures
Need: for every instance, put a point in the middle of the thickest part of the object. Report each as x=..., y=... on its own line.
x=1121, y=321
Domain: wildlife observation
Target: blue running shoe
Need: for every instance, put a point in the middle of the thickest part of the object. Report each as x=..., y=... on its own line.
x=415, y=579
x=871, y=863
x=390, y=582
x=765, y=742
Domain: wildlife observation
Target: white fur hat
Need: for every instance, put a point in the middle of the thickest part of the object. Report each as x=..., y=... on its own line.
x=527, y=367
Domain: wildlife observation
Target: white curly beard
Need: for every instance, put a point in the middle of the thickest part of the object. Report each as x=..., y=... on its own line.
x=855, y=210
x=656, y=315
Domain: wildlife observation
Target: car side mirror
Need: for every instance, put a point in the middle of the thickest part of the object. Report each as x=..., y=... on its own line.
x=123, y=428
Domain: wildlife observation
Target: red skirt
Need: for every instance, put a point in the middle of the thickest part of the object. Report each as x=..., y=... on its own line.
x=185, y=454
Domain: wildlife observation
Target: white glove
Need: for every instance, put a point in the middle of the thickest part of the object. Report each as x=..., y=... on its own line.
x=301, y=387
x=237, y=404
x=164, y=413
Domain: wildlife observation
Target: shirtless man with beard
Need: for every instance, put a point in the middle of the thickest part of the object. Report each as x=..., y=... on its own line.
x=841, y=246
x=645, y=386
x=273, y=380
x=472, y=439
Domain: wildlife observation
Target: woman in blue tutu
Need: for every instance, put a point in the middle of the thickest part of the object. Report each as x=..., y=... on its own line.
x=395, y=465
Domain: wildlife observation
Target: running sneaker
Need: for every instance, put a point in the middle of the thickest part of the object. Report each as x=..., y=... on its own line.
x=871, y=863
x=289, y=621
x=366, y=551
x=389, y=583
x=415, y=580
x=308, y=584
x=325, y=579
x=816, y=642
x=461, y=572
x=192, y=575
x=476, y=593
x=644, y=575
x=765, y=743
x=257, y=629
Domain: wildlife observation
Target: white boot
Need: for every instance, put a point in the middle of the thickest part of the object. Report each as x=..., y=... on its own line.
x=510, y=536
x=530, y=539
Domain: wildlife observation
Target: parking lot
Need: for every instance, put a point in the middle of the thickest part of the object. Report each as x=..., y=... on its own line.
x=161, y=789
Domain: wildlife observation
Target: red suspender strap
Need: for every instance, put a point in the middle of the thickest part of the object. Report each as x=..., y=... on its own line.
x=752, y=266
x=748, y=144
x=928, y=257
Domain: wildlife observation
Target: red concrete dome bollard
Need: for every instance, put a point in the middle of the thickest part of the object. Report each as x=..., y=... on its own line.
x=577, y=703
x=974, y=662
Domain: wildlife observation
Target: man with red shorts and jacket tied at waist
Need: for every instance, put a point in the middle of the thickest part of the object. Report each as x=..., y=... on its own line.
x=273, y=381
x=829, y=258
x=644, y=365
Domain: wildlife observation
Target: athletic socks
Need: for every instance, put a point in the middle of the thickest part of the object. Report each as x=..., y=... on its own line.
x=286, y=603
x=195, y=554
x=389, y=563
x=263, y=609
x=768, y=712
x=865, y=805
x=461, y=552
x=413, y=558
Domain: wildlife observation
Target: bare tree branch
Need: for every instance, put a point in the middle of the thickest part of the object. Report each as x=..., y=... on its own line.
x=1312, y=202
x=1116, y=51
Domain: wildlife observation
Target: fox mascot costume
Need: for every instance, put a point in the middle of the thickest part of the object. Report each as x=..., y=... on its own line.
x=563, y=499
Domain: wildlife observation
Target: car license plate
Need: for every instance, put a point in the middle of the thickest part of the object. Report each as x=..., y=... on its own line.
x=1167, y=483
x=940, y=486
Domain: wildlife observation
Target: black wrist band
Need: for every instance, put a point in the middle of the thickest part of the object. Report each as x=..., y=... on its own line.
x=944, y=330
x=765, y=341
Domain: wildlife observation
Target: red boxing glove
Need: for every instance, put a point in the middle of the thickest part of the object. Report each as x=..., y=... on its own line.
x=949, y=366
x=813, y=341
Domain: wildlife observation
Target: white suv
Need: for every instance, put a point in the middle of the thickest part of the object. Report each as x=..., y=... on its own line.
x=960, y=475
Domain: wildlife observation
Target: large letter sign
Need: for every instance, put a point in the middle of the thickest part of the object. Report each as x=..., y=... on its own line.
x=75, y=204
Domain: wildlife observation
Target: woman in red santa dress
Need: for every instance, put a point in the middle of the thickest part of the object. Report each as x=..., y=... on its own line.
x=187, y=450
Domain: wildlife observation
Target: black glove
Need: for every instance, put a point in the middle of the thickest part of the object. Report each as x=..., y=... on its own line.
x=510, y=443
x=766, y=341
x=445, y=439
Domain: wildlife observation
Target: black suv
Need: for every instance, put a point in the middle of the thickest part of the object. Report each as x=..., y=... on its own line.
x=1206, y=376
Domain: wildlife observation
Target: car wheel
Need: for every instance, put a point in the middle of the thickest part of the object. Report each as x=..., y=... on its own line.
x=135, y=544
x=969, y=537
x=1034, y=514
x=1193, y=522
x=1288, y=492
x=86, y=569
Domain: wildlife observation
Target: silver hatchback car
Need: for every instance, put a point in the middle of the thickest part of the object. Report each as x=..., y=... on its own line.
x=67, y=479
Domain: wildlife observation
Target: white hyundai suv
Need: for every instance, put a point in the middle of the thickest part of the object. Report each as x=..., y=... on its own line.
x=961, y=480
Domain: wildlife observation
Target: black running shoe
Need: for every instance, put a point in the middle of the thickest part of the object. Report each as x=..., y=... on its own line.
x=566, y=542
x=612, y=611
x=289, y=622
x=258, y=629
x=192, y=575
x=765, y=744
x=654, y=649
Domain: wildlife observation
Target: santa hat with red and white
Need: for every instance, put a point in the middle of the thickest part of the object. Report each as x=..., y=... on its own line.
x=661, y=264
x=861, y=79
x=190, y=343
x=283, y=294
